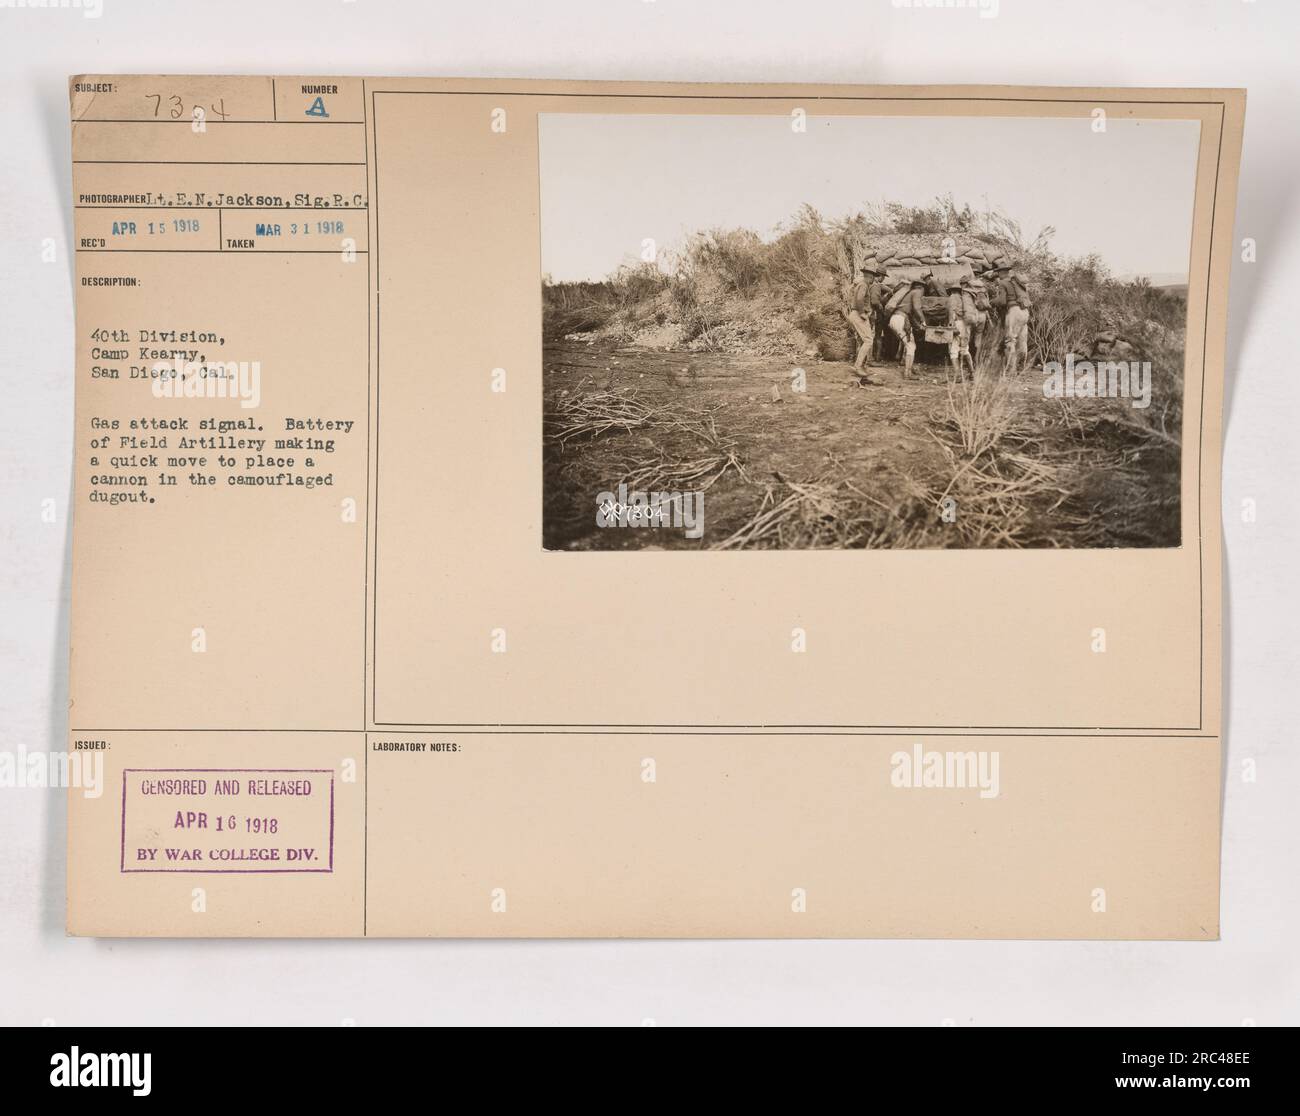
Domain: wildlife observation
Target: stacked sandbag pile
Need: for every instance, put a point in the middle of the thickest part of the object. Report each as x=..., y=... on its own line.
x=887, y=253
x=976, y=256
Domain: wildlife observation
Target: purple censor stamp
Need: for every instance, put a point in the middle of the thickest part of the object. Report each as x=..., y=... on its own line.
x=217, y=819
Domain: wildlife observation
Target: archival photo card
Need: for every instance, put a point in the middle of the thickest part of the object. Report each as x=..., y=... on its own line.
x=399, y=399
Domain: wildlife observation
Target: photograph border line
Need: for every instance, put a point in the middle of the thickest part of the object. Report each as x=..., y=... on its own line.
x=523, y=728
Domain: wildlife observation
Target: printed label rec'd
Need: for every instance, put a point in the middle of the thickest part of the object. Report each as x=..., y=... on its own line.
x=227, y=820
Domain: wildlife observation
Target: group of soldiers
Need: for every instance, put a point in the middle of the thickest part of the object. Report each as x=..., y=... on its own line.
x=997, y=301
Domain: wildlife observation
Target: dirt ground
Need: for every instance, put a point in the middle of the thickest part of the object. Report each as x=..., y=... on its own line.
x=880, y=459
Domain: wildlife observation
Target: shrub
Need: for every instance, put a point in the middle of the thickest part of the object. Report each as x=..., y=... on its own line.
x=729, y=290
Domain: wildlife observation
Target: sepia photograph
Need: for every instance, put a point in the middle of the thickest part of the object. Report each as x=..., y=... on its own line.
x=841, y=332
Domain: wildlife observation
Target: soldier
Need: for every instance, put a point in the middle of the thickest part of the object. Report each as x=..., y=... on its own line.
x=977, y=315
x=864, y=316
x=1011, y=298
x=961, y=317
x=905, y=312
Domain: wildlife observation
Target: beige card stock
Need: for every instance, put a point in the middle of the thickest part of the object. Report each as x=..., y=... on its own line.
x=481, y=528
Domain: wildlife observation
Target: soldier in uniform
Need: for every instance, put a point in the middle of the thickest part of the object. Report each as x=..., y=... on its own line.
x=1011, y=299
x=978, y=315
x=961, y=317
x=906, y=312
x=864, y=316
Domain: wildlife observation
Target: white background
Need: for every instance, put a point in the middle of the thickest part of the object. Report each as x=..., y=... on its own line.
x=1250, y=975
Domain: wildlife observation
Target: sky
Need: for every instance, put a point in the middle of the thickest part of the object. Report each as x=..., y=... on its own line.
x=610, y=181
